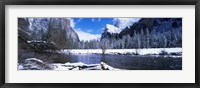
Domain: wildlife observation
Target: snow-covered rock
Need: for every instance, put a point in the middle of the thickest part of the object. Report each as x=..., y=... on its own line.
x=105, y=66
x=112, y=29
x=33, y=64
x=20, y=67
x=33, y=60
x=36, y=64
x=122, y=23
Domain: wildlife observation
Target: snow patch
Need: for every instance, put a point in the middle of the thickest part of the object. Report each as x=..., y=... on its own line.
x=34, y=59
x=149, y=51
x=24, y=31
x=122, y=23
x=82, y=66
x=36, y=64
x=37, y=24
x=72, y=22
x=112, y=29
x=20, y=67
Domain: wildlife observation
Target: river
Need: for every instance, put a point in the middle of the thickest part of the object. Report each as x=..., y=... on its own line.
x=129, y=62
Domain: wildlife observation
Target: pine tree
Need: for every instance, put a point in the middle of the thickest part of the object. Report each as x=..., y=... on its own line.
x=147, y=39
x=143, y=44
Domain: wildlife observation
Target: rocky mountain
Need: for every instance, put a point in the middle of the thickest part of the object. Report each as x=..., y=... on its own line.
x=110, y=31
x=57, y=30
x=160, y=25
x=63, y=24
x=120, y=24
x=36, y=25
x=23, y=28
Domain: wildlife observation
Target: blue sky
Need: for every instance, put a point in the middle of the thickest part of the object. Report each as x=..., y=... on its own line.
x=92, y=25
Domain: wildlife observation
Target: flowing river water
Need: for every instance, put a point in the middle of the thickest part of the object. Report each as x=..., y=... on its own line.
x=129, y=62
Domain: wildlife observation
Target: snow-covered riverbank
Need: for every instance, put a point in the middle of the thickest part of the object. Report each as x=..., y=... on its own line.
x=150, y=51
x=36, y=64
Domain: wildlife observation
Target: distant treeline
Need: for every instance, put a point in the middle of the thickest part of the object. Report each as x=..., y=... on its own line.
x=142, y=39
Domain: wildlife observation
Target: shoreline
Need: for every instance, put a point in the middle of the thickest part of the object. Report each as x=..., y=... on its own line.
x=138, y=52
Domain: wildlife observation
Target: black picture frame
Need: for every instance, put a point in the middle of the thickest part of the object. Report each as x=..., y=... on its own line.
x=98, y=2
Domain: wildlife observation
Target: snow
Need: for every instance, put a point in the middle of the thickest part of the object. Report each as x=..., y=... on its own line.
x=59, y=67
x=109, y=67
x=20, y=67
x=158, y=50
x=112, y=29
x=150, y=51
x=24, y=31
x=122, y=23
x=72, y=22
x=34, y=59
x=38, y=24
x=77, y=66
x=38, y=41
x=32, y=64
x=62, y=66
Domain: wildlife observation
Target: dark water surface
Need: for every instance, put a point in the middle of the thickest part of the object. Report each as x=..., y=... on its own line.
x=130, y=62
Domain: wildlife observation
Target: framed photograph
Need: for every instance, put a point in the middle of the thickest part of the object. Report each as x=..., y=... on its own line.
x=109, y=43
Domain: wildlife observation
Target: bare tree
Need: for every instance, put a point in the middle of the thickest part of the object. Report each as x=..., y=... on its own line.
x=104, y=45
x=103, y=48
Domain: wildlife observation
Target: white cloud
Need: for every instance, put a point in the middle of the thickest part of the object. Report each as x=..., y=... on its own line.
x=122, y=23
x=85, y=36
x=79, y=20
x=89, y=30
x=96, y=19
x=99, y=19
x=92, y=19
x=72, y=23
